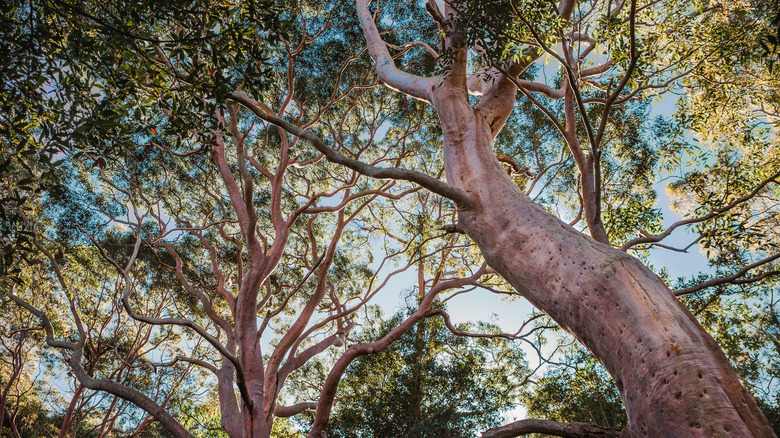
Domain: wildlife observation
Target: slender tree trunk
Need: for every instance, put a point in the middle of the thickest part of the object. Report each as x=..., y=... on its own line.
x=250, y=354
x=255, y=423
x=420, y=351
x=673, y=378
x=68, y=420
x=7, y=416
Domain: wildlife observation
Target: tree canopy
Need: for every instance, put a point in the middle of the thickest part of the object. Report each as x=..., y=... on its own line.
x=203, y=202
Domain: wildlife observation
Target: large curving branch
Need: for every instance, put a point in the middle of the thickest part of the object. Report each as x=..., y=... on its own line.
x=428, y=182
x=289, y=411
x=421, y=85
x=549, y=427
x=126, y=393
x=409, y=84
x=45, y=322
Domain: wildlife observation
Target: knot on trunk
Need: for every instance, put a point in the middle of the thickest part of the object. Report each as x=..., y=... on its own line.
x=453, y=228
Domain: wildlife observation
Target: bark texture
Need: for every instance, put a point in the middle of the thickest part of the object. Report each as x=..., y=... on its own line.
x=672, y=376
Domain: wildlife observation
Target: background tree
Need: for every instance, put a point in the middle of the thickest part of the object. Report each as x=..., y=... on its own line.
x=21, y=404
x=264, y=231
x=429, y=383
x=577, y=390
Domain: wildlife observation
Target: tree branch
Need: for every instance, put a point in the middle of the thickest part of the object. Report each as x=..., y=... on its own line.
x=137, y=398
x=712, y=214
x=328, y=392
x=289, y=411
x=734, y=278
x=45, y=322
x=411, y=85
x=292, y=364
x=548, y=427
x=634, y=58
x=538, y=87
x=433, y=184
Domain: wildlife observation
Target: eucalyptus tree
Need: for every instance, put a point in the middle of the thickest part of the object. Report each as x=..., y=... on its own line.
x=672, y=376
x=248, y=151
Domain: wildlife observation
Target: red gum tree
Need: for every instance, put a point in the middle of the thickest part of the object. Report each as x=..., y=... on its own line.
x=673, y=378
x=236, y=316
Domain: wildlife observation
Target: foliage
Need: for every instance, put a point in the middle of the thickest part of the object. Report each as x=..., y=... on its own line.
x=429, y=383
x=576, y=389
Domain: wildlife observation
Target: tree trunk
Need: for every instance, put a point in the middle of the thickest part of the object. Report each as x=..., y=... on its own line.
x=672, y=376
x=68, y=419
x=255, y=421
